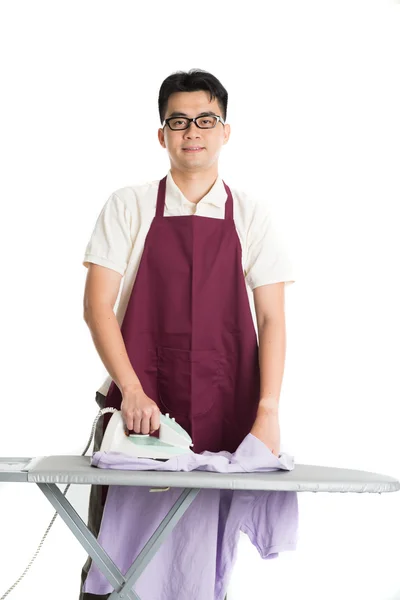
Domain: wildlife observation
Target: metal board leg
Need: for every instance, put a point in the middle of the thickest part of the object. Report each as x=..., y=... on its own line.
x=85, y=537
x=122, y=584
x=163, y=530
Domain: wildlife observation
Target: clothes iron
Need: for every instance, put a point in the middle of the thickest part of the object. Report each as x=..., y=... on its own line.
x=173, y=440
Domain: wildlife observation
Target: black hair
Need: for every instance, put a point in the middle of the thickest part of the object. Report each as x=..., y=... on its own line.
x=192, y=81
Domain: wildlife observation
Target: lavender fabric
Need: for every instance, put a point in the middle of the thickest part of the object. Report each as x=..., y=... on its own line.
x=196, y=559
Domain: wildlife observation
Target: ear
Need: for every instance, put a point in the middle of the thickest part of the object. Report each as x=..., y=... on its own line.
x=227, y=133
x=161, y=137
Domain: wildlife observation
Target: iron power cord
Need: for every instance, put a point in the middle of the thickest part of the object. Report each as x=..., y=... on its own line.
x=101, y=412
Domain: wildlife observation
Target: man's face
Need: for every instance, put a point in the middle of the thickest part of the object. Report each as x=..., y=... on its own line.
x=192, y=104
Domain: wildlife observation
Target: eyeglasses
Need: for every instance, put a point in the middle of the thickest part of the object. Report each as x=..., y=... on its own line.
x=203, y=122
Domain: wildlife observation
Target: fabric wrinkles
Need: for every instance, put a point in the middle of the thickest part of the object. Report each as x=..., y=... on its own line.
x=198, y=556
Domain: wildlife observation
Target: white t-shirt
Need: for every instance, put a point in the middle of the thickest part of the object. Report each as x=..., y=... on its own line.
x=119, y=234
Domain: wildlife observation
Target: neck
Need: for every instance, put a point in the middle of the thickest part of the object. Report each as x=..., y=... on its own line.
x=195, y=185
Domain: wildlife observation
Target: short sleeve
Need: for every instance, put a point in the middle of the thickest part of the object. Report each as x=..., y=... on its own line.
x=273, y=523
x=267, y=259
x=110, y=244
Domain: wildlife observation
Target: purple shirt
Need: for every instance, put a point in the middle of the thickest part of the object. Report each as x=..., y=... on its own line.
x=196, y=559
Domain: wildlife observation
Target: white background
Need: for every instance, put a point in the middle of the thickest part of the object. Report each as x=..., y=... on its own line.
x=314, y=109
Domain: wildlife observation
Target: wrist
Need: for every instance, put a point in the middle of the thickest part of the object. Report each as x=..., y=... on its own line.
x=268, y=406
x=133, y=386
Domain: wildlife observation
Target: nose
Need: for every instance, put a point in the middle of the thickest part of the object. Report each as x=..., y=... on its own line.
x=192, y=131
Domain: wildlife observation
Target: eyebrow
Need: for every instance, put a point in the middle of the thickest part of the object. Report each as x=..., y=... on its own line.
x=182, y=114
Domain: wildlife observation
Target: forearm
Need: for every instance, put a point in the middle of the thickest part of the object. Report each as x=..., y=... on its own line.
x=109, y=343
x=272, y=351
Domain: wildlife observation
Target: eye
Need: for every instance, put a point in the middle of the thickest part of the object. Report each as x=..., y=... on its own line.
x=207, y=122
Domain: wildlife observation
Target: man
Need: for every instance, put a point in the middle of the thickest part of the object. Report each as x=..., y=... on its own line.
x=183, y=340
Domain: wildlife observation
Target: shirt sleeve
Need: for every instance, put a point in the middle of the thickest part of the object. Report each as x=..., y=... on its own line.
x=273, y=523
x=267, y=258
x=110, y=244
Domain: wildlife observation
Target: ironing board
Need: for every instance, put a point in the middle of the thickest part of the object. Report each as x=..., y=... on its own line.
x=47, y=471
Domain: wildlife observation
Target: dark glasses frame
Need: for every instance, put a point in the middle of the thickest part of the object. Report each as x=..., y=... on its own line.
x=194, y=120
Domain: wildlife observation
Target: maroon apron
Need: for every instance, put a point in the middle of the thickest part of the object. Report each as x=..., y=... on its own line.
x=188, y=328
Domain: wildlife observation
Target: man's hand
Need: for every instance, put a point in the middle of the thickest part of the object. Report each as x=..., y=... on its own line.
x=139, y=412
x=266, y=428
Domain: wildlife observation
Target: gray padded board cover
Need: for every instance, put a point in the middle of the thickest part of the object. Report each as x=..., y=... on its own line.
x=303, y=478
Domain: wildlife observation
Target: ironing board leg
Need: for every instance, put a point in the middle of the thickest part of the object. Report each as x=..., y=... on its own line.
x=83, y=535
x=163, y=530
x=119, y=582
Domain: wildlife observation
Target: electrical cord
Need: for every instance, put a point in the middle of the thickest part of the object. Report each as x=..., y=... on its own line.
x=100, y=413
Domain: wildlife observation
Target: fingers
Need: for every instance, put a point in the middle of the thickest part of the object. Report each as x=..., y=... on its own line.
x=155, y=420
x=144, y=421
x=128, y=419
x=143, y=425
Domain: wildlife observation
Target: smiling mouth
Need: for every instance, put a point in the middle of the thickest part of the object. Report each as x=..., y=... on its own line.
x=194, y=149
